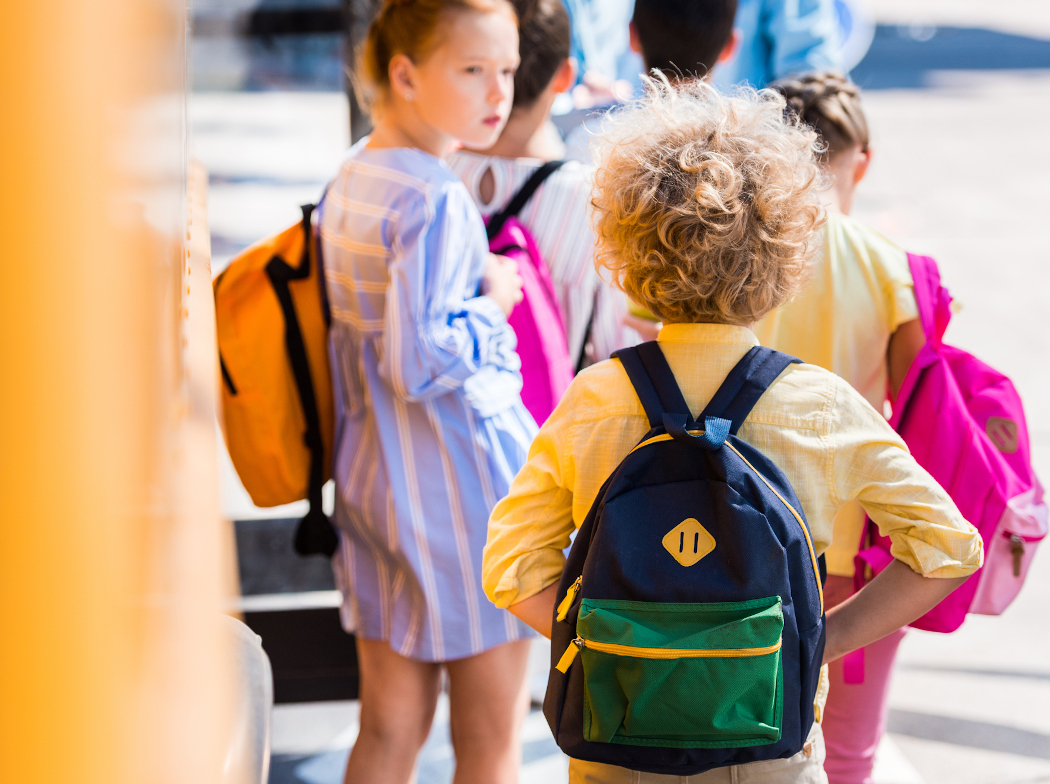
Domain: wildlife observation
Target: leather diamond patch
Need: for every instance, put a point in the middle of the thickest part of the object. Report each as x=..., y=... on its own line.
x=688, y=542
x=1003, y=433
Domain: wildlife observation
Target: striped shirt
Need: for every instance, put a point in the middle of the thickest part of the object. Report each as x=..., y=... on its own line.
x=430, y=426
x=558, y=215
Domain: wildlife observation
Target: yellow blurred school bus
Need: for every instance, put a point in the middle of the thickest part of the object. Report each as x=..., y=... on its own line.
x=115, y=664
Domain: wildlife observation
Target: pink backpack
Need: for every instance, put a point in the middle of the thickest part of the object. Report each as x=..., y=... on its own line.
x=964, y=423
x=546, y=368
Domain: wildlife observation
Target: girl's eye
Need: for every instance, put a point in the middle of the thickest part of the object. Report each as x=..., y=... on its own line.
x=509, y=71
x=473, y=69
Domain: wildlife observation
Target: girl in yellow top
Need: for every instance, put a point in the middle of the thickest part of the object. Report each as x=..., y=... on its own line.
x=707, y=209
x=857, y=317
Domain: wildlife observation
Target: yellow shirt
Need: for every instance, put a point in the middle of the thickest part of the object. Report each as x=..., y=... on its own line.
x=860, y=293
x=831, y=445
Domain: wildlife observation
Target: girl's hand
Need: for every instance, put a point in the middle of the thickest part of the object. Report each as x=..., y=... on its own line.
x=502, y=282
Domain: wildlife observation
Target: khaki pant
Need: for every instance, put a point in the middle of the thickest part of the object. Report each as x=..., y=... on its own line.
x=806, y=767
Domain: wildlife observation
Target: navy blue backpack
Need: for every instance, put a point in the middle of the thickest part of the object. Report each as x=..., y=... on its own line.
x=691, y=629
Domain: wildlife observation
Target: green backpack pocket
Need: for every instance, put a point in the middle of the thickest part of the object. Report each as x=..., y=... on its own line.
x=682, y=675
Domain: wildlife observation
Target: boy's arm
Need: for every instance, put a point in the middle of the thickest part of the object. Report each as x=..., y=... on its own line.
x=895, y=598
x=930, y=539
x=869, y=462
x=538, y=611
x=530, y=528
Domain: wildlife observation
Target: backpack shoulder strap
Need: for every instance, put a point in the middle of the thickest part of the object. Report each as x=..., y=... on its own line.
x=745, y=384
x=521, y=198
x=663, y=379
x=932, y=299
x=653, y=382
x=586, y=336
x=314, y=533
x=318, y=216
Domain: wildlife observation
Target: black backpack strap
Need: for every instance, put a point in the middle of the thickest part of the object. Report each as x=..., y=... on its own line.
x=582, y=358
x=643, y=385
x=667, y=388
x=318, y=211
x=521, y=198
x=654, y=383
x=315, y=533
x=745, y=384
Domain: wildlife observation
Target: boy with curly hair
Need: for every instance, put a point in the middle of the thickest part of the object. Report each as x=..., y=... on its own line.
x=707, y=213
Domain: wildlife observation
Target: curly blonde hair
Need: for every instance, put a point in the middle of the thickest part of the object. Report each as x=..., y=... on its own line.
x=707, y=207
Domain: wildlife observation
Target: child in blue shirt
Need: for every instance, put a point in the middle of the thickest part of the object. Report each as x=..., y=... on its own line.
x=430, y=425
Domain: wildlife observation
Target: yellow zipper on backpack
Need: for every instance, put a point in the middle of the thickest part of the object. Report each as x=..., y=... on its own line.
x=660, y=653
x=798, y=517
x=570, y=597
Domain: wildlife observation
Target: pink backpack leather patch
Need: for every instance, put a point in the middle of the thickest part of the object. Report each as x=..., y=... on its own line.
x=964, y=423
x=546, y=367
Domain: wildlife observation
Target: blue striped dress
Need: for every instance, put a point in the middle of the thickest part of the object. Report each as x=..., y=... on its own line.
x=430, y=428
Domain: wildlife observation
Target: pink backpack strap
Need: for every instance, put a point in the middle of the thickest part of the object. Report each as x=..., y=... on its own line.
x=873, y=558
x=932, y=299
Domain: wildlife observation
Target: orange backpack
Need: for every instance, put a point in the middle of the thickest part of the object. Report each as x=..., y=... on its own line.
x=272, y=324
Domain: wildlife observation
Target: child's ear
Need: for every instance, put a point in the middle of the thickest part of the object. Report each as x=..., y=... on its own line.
x=402, y=73
x=565, y=76
x=636, y=42
x=730, y=48
x=861, y=163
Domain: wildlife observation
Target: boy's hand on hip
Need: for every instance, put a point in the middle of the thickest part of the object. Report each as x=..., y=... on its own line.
x=502, y=283
x=895, y=598
x=538, y=611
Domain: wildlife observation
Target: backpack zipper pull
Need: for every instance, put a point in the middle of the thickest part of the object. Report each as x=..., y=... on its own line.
x=570, y=597
x=1017, y=550
x=569, y=656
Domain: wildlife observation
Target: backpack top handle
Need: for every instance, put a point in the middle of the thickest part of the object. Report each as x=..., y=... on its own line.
x=662, y=398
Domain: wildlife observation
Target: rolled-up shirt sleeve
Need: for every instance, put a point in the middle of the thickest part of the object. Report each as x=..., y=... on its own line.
x=530, y=528
x=869, y=462
x=436, y=333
